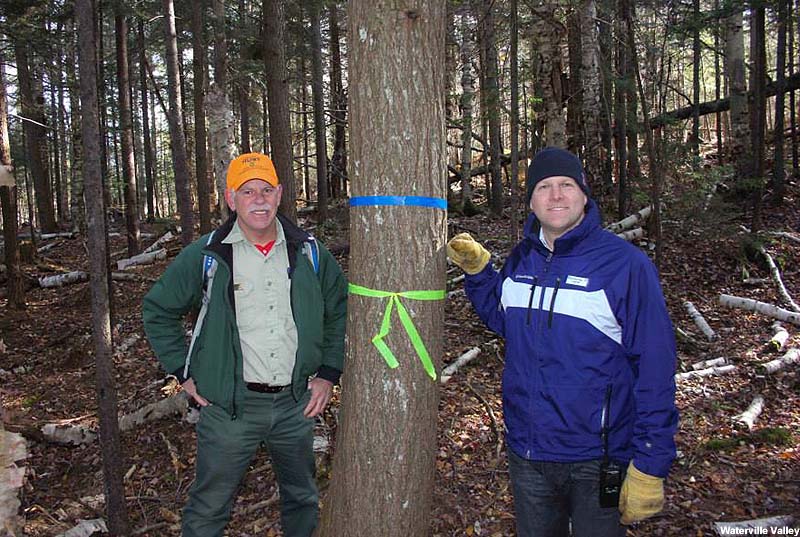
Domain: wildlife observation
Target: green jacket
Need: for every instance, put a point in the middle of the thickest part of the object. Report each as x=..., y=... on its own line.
x=319, y=307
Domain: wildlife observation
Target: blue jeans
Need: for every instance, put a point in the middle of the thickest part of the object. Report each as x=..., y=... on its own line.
x=551, y=497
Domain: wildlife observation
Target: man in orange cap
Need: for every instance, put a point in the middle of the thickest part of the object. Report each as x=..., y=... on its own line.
x=269, y=350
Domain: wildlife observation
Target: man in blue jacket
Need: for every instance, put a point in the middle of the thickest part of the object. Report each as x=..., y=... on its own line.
x=588, y=384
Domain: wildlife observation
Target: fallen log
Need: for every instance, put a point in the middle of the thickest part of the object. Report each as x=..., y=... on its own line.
x=78, y=276
x=779, y=337
x=629, y=221
x=705, y=364
x=792, y=356
x=631, y=234
x=760, y=307
x=465, y=358
x=776, y=276
x=700, y=321
x=81, y=434
x=717, y=371
x=749, y=416
x=168, y=236
x=63, y=279
x=86, y=528
x=720, y=105
x=12, y=450
x=142, y=259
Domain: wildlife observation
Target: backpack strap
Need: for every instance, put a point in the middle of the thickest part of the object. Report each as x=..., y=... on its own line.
x=209, y=270
x=311, y=250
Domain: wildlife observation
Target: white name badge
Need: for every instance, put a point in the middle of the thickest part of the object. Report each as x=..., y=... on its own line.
x=577, y=280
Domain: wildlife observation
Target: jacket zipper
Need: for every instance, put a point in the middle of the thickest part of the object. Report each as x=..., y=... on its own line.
x=553, y=303
x=530, y=300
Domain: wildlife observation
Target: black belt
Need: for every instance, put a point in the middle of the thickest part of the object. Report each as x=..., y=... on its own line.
x=265, y=388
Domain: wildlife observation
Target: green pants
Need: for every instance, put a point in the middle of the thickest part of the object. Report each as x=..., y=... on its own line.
x=225, y=448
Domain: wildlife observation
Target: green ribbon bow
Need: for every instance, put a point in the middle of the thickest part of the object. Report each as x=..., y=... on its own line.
x=405, y=319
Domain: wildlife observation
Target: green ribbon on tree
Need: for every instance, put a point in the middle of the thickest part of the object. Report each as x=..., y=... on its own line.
x=405, y=319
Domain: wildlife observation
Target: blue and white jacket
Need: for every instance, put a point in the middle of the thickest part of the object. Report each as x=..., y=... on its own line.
x=586, y=329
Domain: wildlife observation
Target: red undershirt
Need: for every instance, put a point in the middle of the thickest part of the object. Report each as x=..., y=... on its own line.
x=265, y=248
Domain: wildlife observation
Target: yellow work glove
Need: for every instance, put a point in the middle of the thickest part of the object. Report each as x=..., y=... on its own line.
x=642, y=496
x=467, y=253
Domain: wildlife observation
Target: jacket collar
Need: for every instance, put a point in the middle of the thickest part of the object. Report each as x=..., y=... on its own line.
x=572, y=238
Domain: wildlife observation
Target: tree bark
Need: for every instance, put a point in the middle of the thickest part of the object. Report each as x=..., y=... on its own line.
x=620, y=112
x=200, y=147
x=280, y=126
x=180, y=162
x=111, y=449
x=592, y=111
x=758, y=109
x=221, y=128
x=339, y=108
x=547, y=37
x=32, y=104
x=77, y=206
x=385, y=457
x=465, y=104
x=737, y=90
x=492, y=106
x=148, y=144
x=696, y=61
x=8, y=201
x=321, y=147
x=778, y=167
x=126, y=127
x=514, y=75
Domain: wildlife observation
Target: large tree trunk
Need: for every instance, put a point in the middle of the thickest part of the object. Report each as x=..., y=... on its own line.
x=385, y=457
x=76, y=157
x=547, y=37
x=319, y=115
x=574, y=116
x=200, y=147
x=126, y=126
x=280, y=126
x=592, y=110
x=101, y=324
x=737, y=89
x=180, y=162
x=465, y=104
x=8, y=200
x=758, y=109
x=221, y=129
x=32, y=100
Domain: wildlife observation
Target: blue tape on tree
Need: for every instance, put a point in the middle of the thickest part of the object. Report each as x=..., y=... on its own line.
x=416, y=201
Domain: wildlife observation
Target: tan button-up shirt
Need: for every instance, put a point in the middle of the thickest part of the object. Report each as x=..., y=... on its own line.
x=267, y=331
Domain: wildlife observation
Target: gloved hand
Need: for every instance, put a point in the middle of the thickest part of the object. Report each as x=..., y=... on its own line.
x=642, y=496
x=467, y=253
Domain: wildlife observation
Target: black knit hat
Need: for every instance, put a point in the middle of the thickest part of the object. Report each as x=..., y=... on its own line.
x=553, y=161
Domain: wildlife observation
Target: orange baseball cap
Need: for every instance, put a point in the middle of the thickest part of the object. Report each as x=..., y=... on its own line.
x=251, y=166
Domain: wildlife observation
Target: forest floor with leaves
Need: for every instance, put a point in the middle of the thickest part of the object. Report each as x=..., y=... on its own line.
x=722, y=473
